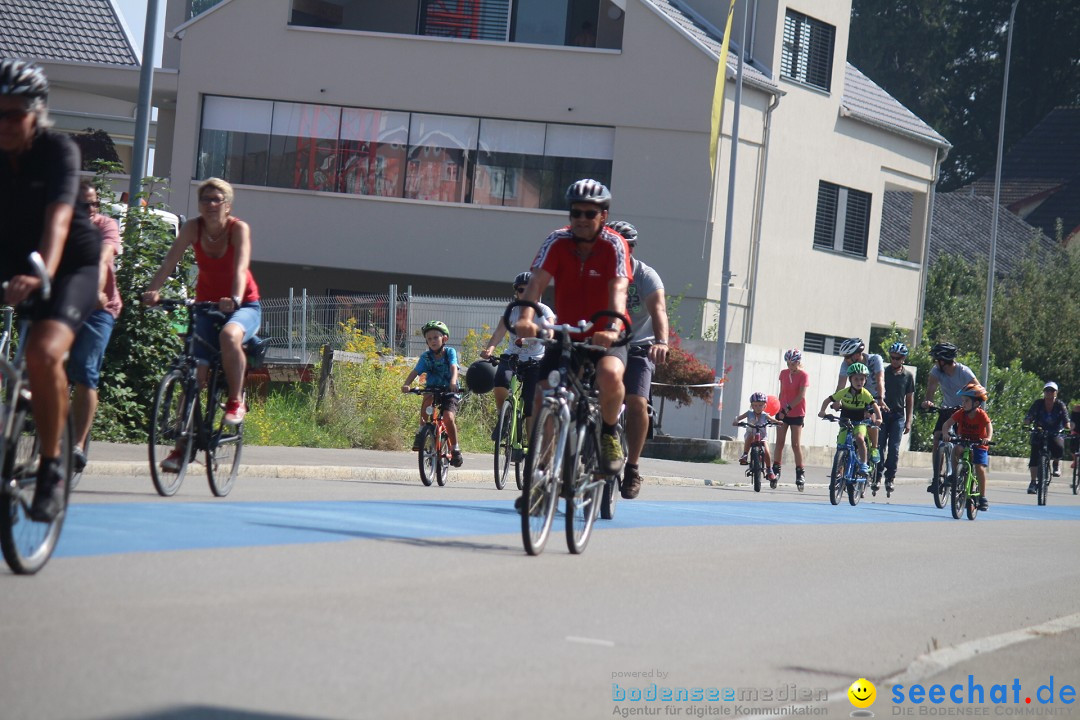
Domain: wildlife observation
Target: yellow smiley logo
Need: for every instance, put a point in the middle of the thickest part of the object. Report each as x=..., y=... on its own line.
x=862, y=693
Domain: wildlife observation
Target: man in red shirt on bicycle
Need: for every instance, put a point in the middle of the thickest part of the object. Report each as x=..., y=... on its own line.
x=590, y=265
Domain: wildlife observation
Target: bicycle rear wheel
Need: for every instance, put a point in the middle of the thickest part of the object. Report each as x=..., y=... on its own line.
x=172, y=428
x=27, y=545
x=836, y=476
x=958, y=490
x=541, y=492
x=428, y=457
x=583, y=499
x=442, y=459
x=504, y=448
x=224, y=446
x=1044, y=478
x=855, y=491
x=1076, y=474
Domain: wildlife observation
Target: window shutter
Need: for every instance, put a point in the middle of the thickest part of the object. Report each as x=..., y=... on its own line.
x=857, y=224
x=825, y=226
x=808, y=50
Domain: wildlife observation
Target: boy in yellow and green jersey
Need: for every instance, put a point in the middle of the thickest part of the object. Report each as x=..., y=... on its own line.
x=855, y=403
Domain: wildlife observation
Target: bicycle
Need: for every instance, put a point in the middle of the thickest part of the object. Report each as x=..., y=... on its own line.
x=964, y=486
x=433, y=442
x=183, y=421
x=942, y=462
x=26, y=544
x=1076, y=465
x=1042, y=470
x=510, y=440
x=564, y=457
x=846, y=472
x=757, y=456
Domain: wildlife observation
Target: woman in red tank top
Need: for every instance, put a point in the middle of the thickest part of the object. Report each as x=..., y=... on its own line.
x=222, y=246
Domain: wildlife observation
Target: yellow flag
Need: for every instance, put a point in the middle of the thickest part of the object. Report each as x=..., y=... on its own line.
x=718, y=93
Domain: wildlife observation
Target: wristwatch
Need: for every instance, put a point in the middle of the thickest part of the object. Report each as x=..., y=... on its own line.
x=236, y=301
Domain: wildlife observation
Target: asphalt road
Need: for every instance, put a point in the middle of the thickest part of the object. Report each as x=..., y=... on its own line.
x=380, y=598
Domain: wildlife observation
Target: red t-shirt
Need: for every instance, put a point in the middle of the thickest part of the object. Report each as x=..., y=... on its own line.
x=974, y=426
x=790, y=384
x=581, y=286
x=216, y=274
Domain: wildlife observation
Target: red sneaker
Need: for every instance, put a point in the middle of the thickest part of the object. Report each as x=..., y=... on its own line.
x=234, y=412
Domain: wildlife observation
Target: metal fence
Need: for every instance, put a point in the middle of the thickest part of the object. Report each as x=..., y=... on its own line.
x=298, y=326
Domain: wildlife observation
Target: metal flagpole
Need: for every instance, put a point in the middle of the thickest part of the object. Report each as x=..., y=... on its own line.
x=725, y=275
x=142, y=114
x=997, y=206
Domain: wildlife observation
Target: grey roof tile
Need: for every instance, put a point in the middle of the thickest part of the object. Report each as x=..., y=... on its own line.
x=962, y=227
x=80, y=30
x=866, y=100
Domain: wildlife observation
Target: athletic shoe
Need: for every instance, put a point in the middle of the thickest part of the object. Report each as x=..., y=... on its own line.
x=874, y=456
x=984, y=505
x=864, y=469
x=1055, y=473
x=416, y=440
x=48, y=492
x=234, y=412
x=1032, y=490
x=611, y=454
x=78, y=459
x=743, y=460
x=495, y=432
x=172, y=463
x=631, y=484
x=455, y=458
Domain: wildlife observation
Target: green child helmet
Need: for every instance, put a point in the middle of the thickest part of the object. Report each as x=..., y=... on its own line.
x=435, y=325
x=857, y=369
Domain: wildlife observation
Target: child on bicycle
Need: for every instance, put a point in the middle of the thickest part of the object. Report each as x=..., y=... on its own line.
x=756, y=415
x=855, y=403
x=439, y=363
x=972, y=423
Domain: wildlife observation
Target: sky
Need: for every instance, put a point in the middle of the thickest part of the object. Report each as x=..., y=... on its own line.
x=134, y=12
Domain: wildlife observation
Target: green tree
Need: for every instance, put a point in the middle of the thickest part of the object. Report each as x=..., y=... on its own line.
x=142, y=343
x=945, y=61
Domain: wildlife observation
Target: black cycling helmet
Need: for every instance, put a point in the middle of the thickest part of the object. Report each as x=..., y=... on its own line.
x=22, y=79
x=480, y=377
x=589, y=191
x=522, y=278
x=628, y=231
x=943, y=351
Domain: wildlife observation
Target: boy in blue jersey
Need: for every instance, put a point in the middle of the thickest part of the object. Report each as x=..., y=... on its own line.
x=439, y=363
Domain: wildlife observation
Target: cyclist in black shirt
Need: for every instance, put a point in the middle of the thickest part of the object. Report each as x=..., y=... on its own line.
x=39, y=185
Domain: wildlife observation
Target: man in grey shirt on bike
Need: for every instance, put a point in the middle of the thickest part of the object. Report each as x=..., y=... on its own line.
x=647, y=308
x=952, y=377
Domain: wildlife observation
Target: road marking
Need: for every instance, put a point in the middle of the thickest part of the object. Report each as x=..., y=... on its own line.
x=931, y=663
x=589, y=641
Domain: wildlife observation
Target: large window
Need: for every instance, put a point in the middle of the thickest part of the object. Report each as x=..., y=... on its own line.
x=373, y=147
x=419, y=156
x=843, y=219
x=584, y=23
x=235, y=139
x=808, y=50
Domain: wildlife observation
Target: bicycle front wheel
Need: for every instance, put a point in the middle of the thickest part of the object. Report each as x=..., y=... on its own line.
x=756, y=461
x=836, y=476
x=504, y=448
x=941, y=487
x=442, y=459
x=583, y=499
x=224, y=446
x=428, y=456
x=1076, y=474
x=26, y=544
x=172, y=433
x=541, y=492
x=1044, y=478
x=958, y=490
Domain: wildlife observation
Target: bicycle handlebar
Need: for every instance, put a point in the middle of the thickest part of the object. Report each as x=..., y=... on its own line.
x=435, y=391
x=846, y=422
x=756, y=427
x=37, y=265
x=565, y=328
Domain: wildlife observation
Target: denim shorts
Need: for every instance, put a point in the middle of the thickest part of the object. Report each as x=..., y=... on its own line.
x=637, y=379
x=88, y=351
x=208, y=327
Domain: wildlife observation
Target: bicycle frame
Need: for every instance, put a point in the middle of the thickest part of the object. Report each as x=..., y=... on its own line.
x=1045, y=459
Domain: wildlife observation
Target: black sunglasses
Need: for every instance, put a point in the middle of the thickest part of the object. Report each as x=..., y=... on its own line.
x=590, y=214
x=897, y=357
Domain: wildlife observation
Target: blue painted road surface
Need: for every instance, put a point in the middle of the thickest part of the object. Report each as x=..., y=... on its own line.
x=108, y=529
